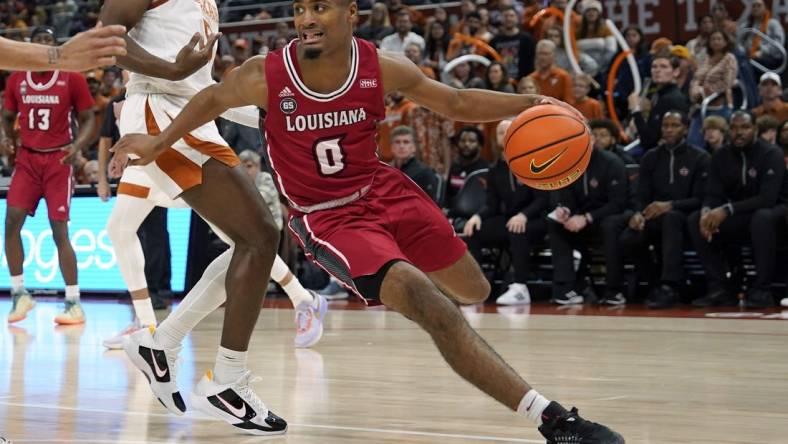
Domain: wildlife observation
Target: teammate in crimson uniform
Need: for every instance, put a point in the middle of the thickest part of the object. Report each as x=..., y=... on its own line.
x=45, y=147
x=360, y=219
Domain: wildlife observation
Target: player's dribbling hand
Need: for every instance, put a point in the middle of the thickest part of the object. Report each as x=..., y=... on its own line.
x=142, y=145
x=553, y=101
x=191, y=58
x=473, y=224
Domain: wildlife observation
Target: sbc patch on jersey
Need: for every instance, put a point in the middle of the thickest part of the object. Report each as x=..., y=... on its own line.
x=288, y=105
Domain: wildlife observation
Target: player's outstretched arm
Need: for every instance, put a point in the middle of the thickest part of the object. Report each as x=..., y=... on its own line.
x=190, y=58
x=465, y=105
x=87, y=50
x=243, y=86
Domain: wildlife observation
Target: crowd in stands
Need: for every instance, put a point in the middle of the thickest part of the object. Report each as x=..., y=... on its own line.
x=695, y=161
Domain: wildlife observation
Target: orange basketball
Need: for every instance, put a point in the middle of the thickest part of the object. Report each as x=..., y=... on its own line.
x=547, y=147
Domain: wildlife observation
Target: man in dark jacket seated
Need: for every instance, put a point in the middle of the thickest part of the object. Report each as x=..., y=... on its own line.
x=403, y=151
x=670, y=186
x=746, y=180
x=512, y=217
x=606, y=137
x=584, y=212
x=668, y=96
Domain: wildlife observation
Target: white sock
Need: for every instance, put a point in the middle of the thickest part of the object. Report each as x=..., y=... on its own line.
x=297, y=293
x=532, y=406
x=143, y=308
x=294, y=290
x=205, y=297
x=230, y=365
x=279, y=270
x=72, y=293
x=18, y=282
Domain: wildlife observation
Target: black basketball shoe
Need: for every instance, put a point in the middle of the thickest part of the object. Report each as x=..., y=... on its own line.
x=562, y=427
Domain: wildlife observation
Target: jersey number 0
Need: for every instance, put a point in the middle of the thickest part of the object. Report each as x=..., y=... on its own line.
x=330, y=156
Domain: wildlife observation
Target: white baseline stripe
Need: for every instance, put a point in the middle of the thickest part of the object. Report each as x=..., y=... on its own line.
x=311, y=426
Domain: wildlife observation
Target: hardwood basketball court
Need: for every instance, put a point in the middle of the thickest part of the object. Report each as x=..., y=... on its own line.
x=376, y=378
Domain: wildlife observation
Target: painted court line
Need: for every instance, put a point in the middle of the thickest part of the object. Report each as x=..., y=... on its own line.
x=312, y=426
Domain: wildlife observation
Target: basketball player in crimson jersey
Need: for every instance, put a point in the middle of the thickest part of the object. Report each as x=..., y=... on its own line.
x=44, y=102
x=361, y=220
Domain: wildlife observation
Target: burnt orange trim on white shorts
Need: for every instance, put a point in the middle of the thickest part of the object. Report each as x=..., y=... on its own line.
x=130, y=189
x=185, y=173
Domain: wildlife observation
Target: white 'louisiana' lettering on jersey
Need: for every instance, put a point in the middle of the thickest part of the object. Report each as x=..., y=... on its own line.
x=319, y=121
x=40, y=100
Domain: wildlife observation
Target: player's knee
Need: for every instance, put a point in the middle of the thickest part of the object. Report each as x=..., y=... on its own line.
x=60, y=233
x=13, y=221
x=263, y=238
x=475, y=292
x=119, y=231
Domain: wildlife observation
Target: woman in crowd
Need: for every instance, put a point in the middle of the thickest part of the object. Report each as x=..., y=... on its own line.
x=436, y=45
x=593, y=37
x=587, y=64
x=462, y=77
x=756, y=48
x=377, y=26
x=496, y=78
x=697, y=46
x=716, y=75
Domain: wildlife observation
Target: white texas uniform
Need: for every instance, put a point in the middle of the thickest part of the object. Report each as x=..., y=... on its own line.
x=152, y=103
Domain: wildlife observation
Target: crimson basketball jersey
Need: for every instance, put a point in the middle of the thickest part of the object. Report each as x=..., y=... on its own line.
x=45, y=101
x=322, y=147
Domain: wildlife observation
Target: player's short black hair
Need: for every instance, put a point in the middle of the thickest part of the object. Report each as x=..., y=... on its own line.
x=472, y=129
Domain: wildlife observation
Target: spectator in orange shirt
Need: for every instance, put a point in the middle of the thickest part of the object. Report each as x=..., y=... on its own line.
x=399, y=111
x=552, y=80
x=770, y=90
x=591, y=108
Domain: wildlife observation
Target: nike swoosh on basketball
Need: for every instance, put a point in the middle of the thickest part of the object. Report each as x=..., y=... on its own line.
x=536, y=169
x=159, y=373
x=240, y=413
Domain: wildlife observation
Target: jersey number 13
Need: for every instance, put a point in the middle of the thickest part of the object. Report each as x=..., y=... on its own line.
x=42, y=123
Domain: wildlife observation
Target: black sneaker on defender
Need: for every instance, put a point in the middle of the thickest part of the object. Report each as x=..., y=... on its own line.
x=562, y=427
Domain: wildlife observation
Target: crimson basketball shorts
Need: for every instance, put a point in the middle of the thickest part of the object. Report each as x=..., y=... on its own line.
x=40, y=174
x=395, y=220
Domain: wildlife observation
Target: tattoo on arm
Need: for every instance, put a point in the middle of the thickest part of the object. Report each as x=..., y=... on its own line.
x=54, y=55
